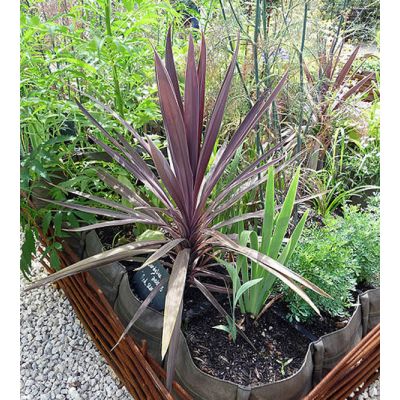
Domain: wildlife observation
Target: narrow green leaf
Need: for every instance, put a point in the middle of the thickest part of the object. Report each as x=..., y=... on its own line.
x=294, y=239
x=283, y=219
x=222, y=328
x=246, y=287
x=269, y=209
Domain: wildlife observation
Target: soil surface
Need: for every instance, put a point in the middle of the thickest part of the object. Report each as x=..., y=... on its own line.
x=113, y=236
x=275, y=342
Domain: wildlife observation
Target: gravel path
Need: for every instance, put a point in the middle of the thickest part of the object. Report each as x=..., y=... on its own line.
x=58, y=359
x=371, y=393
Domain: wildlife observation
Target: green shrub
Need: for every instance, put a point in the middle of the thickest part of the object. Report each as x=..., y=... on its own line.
x=361, y=231
x=323, y=257
x=336, y=257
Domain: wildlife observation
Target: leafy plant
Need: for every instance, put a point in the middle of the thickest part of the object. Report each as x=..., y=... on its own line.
x=184, y=183
x=335, y=190
x=272, y=243
x=363, y=242
x=344, y=252
x=284, y=364
x=324, y=256
x=362, y=153
x=238, y=290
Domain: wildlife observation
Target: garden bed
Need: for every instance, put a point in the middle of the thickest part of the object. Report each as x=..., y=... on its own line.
x=312, y=359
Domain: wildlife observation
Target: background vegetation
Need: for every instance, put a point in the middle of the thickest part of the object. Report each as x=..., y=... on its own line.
x=105, y=48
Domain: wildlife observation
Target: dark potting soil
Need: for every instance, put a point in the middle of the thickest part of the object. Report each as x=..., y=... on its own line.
x=316, y=326
x=274, y=339
x=113, y=236
x=363, y=287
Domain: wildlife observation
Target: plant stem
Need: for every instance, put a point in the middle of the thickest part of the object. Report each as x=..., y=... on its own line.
x=118, y=98
x=237, y=64
x=303, y=37
x=298, y=144
x=256, y=78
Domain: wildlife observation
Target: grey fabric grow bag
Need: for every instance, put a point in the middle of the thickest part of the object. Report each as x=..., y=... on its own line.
x=205, y=387
x=371, y=309
x=321, y=357
x=331, y=348
x=109, y=276
x=148, y=326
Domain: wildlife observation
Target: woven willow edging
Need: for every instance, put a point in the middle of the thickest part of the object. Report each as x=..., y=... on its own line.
x=141, y=375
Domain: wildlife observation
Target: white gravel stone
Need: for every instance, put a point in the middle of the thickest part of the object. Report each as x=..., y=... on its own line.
x=58, y=360
x=371, y=393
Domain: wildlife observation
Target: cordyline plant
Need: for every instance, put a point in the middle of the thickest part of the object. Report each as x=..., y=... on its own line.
x=328, y=93
x=182, y=183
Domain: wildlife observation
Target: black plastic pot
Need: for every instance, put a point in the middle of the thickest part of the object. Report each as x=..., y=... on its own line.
x=322, y=355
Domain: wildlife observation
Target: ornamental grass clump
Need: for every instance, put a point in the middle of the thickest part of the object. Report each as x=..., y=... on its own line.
x=182, y=184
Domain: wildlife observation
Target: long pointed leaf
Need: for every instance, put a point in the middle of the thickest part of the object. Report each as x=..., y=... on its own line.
x=176, y=286
x=249, y=122
x=149, y=181
x=174, y=126
x=201, y=76
x=215, y=122
x=268, y=263
x=191, y=106
x=250, y=170
x=269, y=210
x=260, y=214
x=353, y=90
x=98, y=260
x=291, y=245
x=91, y=210
x=146, y=302
x=252, y=254
x=168, y=177
x=118, y=222
x=346, y=68
x=283, y=219
x=170, y=66
x=114, y=114
x=162, y=251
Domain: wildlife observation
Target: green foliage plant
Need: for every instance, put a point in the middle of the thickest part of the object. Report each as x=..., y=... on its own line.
x=325, y=257
x=238, y=290
x=330, y=181
x=272, y=243
x=338, y=256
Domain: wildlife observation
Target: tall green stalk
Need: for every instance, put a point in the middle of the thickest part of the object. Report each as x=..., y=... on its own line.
x=301, y=72
x=119, y=104
x=237, y=64
x=256, y=76
x=303, y=38
x=255, y=51
x=339, y=27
